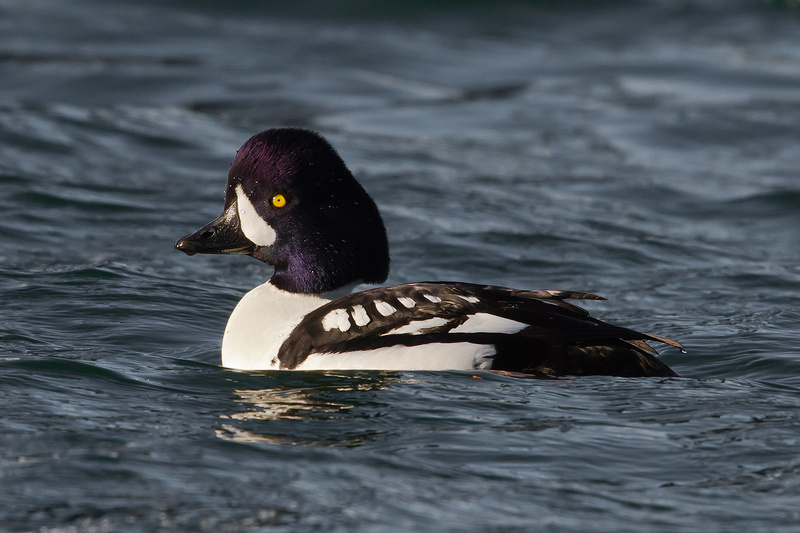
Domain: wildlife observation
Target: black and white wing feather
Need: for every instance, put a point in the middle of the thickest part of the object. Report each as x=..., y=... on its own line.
x=535, y=332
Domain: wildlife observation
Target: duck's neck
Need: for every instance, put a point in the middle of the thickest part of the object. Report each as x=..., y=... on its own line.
x=260, y=323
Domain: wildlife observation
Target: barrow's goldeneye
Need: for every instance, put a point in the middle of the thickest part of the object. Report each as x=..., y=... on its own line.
x=292, y=203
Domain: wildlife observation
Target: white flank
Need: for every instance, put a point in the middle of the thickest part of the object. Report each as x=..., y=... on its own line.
x=432, y=298
x=488, y=323
x=407, y=302
x=262, y=320
x=253, y=226
x=416, y=327
x=384, y=308
x=360, y=316
x=470, y=299
x=436, y=356
x=338, y=318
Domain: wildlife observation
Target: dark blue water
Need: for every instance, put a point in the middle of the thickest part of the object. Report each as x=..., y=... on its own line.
x=646, y=151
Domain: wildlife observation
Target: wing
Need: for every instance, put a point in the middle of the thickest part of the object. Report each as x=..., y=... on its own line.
x=535, y=332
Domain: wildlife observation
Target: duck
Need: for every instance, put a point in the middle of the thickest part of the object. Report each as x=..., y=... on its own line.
x=292, y=203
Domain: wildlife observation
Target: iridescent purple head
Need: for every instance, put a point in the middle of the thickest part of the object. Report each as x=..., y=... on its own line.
x=292, y=203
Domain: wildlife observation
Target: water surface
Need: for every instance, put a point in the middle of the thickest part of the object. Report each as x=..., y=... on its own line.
x=646, y=151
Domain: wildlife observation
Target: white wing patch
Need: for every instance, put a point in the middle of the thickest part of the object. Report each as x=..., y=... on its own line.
x=407, y=302
x=432, y=298
x=338, y=318
x=253, y=226
x=360, y=316
x=435, y=356
x=488, y=323
x=470, y=299
x=384, y=308
x=416, y=327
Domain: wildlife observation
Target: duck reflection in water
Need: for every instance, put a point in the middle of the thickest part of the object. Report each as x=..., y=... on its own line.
x=277, y=414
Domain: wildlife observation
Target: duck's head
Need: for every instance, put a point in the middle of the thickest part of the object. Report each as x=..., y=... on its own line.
x=292, y=203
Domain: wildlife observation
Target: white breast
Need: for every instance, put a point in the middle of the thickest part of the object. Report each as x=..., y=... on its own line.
x=260, y=323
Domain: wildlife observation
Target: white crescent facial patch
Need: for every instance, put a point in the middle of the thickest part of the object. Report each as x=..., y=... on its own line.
x=253, y=226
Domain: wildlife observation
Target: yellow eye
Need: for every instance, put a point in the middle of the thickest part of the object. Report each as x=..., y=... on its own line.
x=279, y=200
